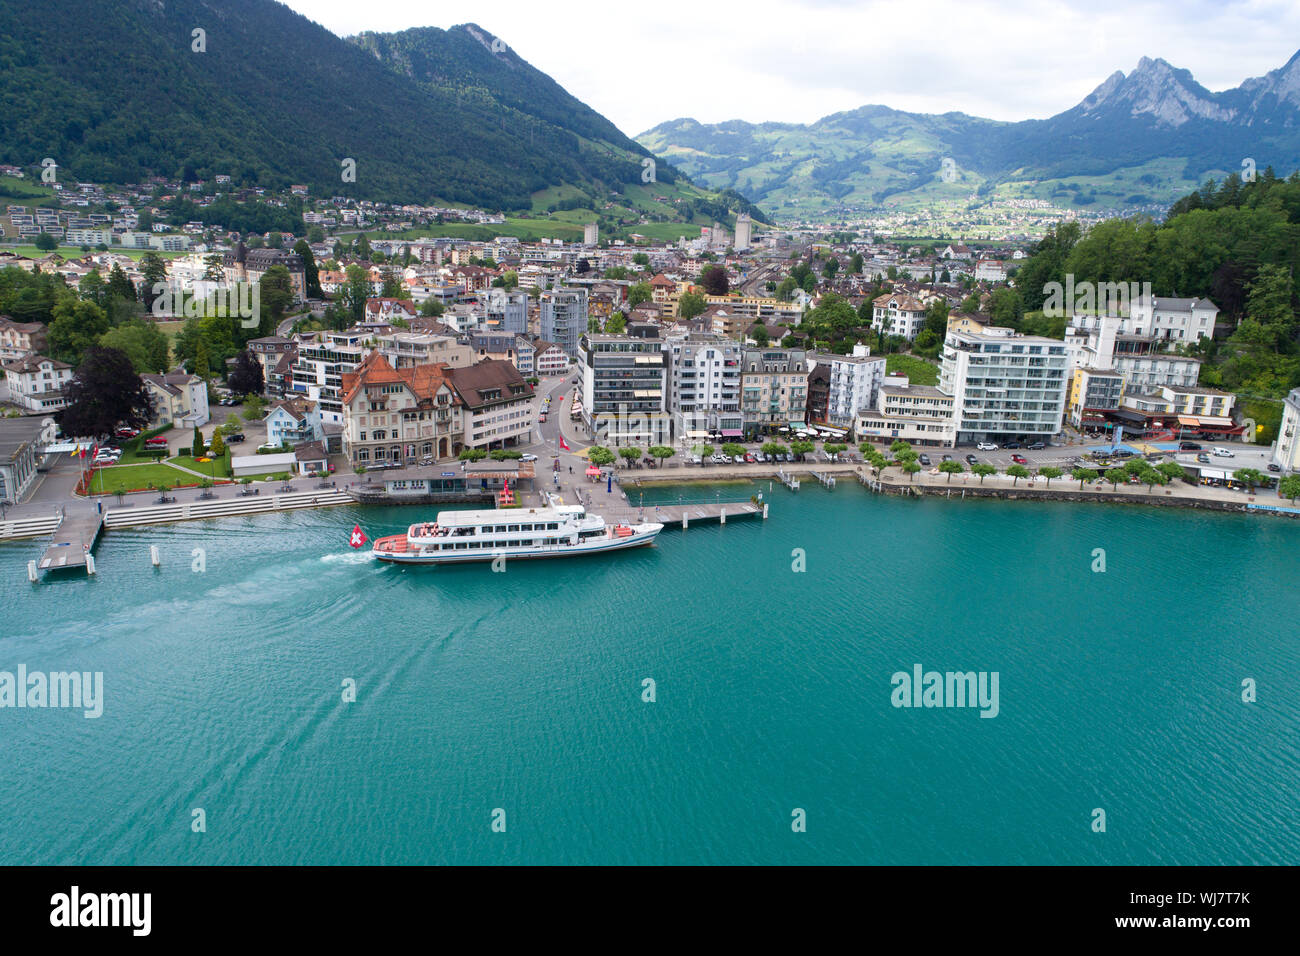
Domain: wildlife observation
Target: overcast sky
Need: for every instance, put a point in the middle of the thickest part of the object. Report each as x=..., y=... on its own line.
x=641, y=62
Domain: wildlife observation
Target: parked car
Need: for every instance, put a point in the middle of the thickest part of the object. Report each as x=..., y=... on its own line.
x=271, y=446
x=696, y=460
x=925, y=460
x=750, y=459
x=946, y=458
x=1223, y=453
x=234, y=438
x=1036, y=446
x=987, y=446
x=972, y=460
x=1012, y=444
x=1020, y=459
x=125, y=433
x=1274, y=466
x=521, y=458
x=156, y=442
x=1188, y=446
x=1203, y=458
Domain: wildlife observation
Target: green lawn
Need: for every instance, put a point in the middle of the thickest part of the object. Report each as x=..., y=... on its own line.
x=116, y=478
x=220, y=467
x=917, y=370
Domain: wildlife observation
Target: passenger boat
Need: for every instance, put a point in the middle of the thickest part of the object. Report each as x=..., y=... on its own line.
x=511, y=533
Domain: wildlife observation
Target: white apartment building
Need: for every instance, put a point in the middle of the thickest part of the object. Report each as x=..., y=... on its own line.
x=855, y=383
x=703, y=394
x=1178, y=320
x=36, y=383
x=1006, y=385
x=318, y=372
x=898, y=315
x=917, y=414
x=1286, y=451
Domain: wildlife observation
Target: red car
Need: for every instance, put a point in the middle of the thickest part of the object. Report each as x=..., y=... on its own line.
x=125, y=432
x=156, y=442
x=1020, y=459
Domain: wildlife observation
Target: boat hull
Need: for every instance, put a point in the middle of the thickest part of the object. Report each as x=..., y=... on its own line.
x=594, y=546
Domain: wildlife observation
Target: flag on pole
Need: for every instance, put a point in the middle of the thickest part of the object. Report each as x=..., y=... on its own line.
x=358, y=537
x=564, y=444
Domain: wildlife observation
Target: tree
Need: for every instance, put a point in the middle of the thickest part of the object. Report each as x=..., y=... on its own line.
x=616, y=324
x=218, y=447
x=714, y=280
x=473, y=454
x=105, y=392
x=600, y=455
x=246, y=376
x=900, y=445
x=638, y=293
x=951, y=468
x=629, y=453
x=311, y=274
x=430, y=308
x=1289, y=487
x=690, y=305
x=1171, y=470
x=391, y=286
x=276, y=291
x=214, y=269
x=733, y=450
x=1250, y=477
x=46, y=242
x=1049, y=472
x=153, y=272
x=198, y=446
x=77, y=326
x=1016, y=472
x=911, y=466
x=119, y=285
x=661, y=452
x=1081, y=475
x=1151, y=477
x=1115, y=476
x=983, y=470
x=142, y=341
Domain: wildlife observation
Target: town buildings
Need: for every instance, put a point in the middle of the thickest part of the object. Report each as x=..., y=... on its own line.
x=855, y=381
x=179, y=399
x=898, y=315
x=35, y=383
x=21, y=443
x=703, y=386
x=1006, y=385
x=1286, y=451
x=622, y=380
x=774, y=390
x=564, y=318
x=917, y=414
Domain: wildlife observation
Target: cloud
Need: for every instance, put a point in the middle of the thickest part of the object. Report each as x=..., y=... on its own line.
x=778, y=60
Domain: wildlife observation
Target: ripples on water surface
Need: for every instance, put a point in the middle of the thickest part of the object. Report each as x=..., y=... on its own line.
x=523, y=690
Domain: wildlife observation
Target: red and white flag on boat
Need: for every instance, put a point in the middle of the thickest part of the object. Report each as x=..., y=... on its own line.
x=564, y=444
x=358, y=537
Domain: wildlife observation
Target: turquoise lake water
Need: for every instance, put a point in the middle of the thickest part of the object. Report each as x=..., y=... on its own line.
x=522, y=691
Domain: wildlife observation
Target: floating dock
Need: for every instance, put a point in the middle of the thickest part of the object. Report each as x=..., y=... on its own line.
x=73, y=539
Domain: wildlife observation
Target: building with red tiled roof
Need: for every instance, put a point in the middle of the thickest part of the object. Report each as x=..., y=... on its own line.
x=400, y=415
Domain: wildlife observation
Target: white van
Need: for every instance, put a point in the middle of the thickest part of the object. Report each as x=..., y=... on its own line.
x=1222, y=453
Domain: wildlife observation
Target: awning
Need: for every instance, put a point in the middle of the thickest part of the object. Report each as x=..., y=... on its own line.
x=732, y=432
x=1212, y=473
x=697, y=434
x=1217, y=422
x=1129, y=416
x=592, y=471
x=1188, y=422
x=798, y=426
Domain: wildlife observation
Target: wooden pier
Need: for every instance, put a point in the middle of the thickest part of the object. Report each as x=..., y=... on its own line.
x=679, y=515
x=73, y=539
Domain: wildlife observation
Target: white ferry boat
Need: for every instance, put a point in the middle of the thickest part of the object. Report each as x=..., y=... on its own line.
x=511, y=533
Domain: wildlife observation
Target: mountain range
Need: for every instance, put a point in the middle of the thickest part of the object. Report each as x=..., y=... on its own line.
x=189, y=89
x=1138, y=140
